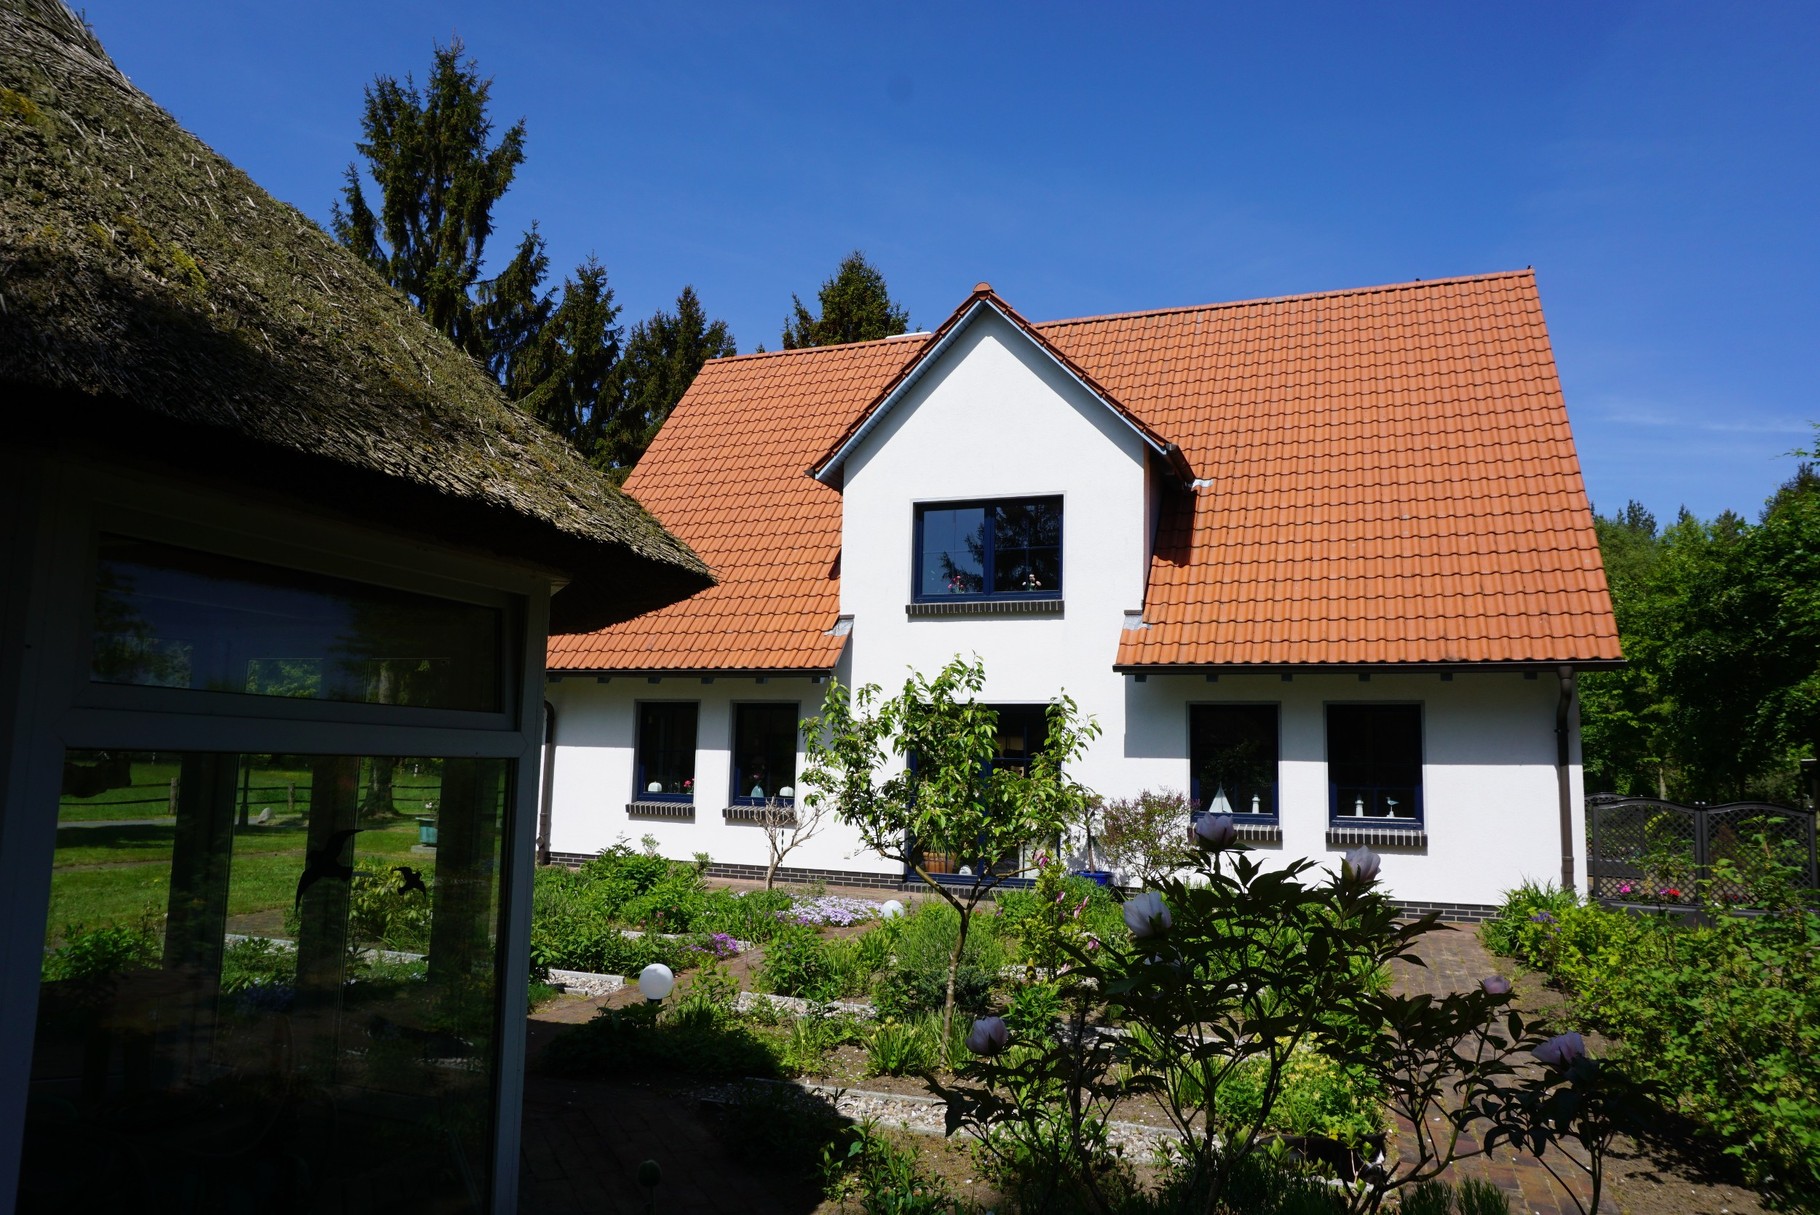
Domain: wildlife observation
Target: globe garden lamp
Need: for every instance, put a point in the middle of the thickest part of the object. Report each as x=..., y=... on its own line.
x=891, y=910
x=655, y=982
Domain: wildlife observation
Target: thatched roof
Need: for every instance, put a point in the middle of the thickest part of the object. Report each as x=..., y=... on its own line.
x=156, y=304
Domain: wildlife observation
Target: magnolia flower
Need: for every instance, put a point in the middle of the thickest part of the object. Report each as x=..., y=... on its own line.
x=1216, y=831
x=1043, y=861
x=1361, y=866
x=1146, y=914
x=1497, y=985
x=1081, y=906
x=1562, y=1050
x=988, y=1036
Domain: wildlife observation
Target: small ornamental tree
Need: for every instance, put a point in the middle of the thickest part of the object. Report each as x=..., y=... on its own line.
x=949, y=796
x=786, y=825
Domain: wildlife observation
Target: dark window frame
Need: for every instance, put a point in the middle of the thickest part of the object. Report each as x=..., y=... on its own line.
x=1240, y=812
x=988, y=560
x=640, y=772
x=739, y=787
x=1377, y=790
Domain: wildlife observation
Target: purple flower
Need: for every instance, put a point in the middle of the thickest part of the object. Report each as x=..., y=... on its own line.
x=1081, y=906
x=1360, y=866
x=988, y=1036
x=1496, y=985
x=1215, y=831
x=1562, y=1050
x=1541, y=917
x=1147, y=915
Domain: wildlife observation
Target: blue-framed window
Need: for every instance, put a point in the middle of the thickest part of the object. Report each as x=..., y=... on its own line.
x=1023, y=731
x=1009, y=548
x=665, y=767
x=1232, y=759
x=764, y=752
x=1374, y=764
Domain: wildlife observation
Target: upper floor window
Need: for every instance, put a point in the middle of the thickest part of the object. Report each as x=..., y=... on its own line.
x=1232, y=759
x=1374, y=763
x=666, y=750
x=985, y=550
x=764, y=752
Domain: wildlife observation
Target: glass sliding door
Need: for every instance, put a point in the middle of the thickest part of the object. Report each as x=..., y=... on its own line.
x=265, y=988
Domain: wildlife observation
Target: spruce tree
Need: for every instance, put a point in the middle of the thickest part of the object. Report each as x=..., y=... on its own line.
x=438, y=178
x=662, y=356
x=856, y=307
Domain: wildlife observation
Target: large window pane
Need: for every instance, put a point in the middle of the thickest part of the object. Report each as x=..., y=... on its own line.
x=1027, y=546
x=178, y=618
x=764, y=751
x=264, y=991
x=953, y=557
x=1374, y=761
x=1232, y=758
x=666, y=750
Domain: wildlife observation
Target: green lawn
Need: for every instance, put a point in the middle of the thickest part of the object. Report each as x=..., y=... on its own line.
x=116, y=875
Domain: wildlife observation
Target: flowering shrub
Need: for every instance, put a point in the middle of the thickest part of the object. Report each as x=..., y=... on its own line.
x=1251, y=999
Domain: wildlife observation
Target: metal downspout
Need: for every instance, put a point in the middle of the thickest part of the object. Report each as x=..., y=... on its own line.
x=545, y=792
x=1563, y=718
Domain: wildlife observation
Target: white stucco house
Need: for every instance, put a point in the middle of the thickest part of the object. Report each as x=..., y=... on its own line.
x=1329, y=556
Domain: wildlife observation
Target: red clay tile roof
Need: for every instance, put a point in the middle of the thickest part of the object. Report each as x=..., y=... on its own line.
x=726, y=471
x=1387, y=474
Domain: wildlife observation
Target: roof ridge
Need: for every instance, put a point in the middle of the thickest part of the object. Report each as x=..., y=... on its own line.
x=768, y=354
x=1527, y=272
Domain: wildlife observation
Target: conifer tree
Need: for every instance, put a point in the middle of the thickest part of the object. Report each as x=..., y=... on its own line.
x=856, y=307
x=438, y=179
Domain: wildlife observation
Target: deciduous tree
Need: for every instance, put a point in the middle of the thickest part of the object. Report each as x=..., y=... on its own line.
x=946, y=796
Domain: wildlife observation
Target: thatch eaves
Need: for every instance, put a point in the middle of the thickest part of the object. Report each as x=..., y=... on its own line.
x=151, y=293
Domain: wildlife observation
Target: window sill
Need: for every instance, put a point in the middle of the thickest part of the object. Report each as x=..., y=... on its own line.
x=1259, y=833
x=1414, y=836
x=756, y=812
x=644, y=809
x=983, y=607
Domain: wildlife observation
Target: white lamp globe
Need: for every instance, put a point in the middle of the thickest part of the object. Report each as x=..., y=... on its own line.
x=787, y=791
x=891, y=910
x=655, y=981
x=655, y=786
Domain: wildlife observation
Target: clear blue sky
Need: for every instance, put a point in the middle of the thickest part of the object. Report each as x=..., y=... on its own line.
x=1658, y=163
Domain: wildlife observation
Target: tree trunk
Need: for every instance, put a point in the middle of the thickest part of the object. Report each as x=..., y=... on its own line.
x=954, y=970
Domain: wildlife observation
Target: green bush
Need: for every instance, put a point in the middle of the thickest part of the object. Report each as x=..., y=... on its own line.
x=1725, y=1015
x=796, y=964
x=639, y=1042
x=899, y=1048
x=257, y=962
x=916, y=977
x=381, y=914
x=1514, y=931
x=108, y=949
x=1058, y=911
x=1317, y=1097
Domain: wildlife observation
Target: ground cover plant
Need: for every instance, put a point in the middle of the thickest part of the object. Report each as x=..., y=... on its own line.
x=1723, y=1013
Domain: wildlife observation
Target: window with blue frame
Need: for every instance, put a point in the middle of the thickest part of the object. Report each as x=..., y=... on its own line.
x=764, y=752
x=1232, y=759
x=666, y=751
x=1374, y=763
x=1005, y=549
x=1023, y=731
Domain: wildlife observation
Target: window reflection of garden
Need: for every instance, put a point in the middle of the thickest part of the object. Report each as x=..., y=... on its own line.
x=271, y=990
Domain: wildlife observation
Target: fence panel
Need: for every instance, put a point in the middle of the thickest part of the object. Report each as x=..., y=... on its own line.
x=1647, y=851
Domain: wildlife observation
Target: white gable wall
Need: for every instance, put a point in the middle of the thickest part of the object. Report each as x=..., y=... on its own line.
x=995, y=417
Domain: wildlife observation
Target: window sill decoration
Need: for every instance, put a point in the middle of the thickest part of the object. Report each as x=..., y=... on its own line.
x=656, y=809
x=1341, y=835
x=983, y=607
